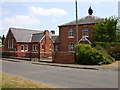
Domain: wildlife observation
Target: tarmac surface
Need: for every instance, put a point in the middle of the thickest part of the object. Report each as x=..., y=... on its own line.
x=62, y=75
x=77, y=66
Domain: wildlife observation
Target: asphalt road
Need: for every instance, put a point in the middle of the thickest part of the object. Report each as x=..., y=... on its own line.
x=62, y=77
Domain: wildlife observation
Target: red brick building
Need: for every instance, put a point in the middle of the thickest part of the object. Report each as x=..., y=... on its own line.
x=24, y=41
x=68, y=32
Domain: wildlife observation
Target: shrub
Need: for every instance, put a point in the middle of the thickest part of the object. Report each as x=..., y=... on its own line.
x=90, y=56
x=107, y=45
x=114, y=52
x=102, y=50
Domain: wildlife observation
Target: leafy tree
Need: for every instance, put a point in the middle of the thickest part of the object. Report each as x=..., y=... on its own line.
x=105, y=31
x=0, y=37
x=3, y=38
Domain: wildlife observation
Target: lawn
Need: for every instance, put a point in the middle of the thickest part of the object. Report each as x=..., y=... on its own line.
x=10, y=81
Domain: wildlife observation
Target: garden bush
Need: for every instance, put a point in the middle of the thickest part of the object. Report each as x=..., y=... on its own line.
x=91, y=56
x=114, y=52
x=107, y=45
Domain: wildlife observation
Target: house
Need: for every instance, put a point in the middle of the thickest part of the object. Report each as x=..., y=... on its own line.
x=24, y=41
x=68, y=34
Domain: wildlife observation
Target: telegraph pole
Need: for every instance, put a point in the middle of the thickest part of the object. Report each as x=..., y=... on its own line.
x=76, y=28
x=76, y=24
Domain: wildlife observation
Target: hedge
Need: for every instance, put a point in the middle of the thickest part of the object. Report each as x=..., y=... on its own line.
x=107, y=45
x=87, y=55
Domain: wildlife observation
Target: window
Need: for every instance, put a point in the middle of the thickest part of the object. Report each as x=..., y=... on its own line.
x=71, y=47
x=50, y=46
x=8, y=44
x=43, y=46
x=85, y=32
x=35, y=47
x=12, y=43
x=22, y=48
x=56, y=48
x=26, y=48
x=71, y=33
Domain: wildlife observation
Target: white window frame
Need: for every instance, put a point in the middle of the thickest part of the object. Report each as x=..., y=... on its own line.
x=85, y=32
x=33, y=47
x=71, y=47
x=50, y=46
x=43, y=47
x=36, y=47
x=70, y=33
x=26, y=48
x=21, y=48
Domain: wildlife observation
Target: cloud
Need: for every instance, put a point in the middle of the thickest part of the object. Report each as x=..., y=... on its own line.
x=17, y=21
x=47, y=12
x=29, y=20
x=20, y=20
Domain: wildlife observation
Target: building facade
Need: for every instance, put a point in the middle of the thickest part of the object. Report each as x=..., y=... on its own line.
x=24, y=41
x=68, y=32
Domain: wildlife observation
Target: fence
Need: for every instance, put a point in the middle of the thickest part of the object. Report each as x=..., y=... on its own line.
x=35, y=56
x=58, y=57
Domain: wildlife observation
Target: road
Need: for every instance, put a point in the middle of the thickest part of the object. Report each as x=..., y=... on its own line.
x=62, y=77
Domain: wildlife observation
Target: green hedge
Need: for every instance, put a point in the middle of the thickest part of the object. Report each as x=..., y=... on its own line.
x=107, y=45
x=92, y=56
x=114, y=52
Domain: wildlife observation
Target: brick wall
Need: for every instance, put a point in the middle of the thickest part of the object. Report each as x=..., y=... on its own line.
x=10, y=37
x=64, y=40
x=16, y=51
x=63, y=57
x=46, y=52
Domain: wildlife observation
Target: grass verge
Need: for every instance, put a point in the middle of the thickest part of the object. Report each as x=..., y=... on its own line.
x=10, y=81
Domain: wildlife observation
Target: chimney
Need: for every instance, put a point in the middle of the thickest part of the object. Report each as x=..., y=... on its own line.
x=53, y=31
x=46, y=32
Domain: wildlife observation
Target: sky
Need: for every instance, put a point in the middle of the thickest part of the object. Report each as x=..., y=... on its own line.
x=48, y=15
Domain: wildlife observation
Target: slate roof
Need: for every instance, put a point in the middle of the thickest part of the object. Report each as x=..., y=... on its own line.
x=23, y=35
x=37, y=37
x=85, y=20
x=56, y=39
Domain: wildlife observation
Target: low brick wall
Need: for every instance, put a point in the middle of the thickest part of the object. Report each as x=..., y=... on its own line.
x=63, y=57
x=0, y=49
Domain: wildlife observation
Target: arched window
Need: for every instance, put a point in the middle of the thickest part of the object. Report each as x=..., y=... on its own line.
x=84, y=32
x=70, y=33
x=43, y=47
x=71, y=46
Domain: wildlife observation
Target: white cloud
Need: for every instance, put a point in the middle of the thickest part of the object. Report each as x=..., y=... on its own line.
x=17, y=21
x=47, y=12
x=20, y=20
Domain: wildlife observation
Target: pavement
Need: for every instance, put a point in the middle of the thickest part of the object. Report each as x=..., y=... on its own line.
x=76, y=66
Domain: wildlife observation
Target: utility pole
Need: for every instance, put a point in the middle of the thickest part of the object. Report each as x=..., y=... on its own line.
x=76, y=24
x=76, y=29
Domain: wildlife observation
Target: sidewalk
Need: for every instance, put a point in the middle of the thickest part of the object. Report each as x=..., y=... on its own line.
x=89, y=67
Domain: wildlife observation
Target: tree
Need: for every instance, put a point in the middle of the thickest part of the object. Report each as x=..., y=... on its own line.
x=0, y=37
x=105, y=31
x=3, y=38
